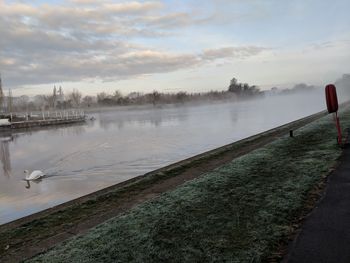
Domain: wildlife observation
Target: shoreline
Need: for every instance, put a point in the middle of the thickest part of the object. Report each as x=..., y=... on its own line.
x=123, y=196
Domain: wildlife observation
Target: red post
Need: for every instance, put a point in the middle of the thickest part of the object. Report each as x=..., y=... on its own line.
x=338, y=129
x=331, y=98
x=332, y=107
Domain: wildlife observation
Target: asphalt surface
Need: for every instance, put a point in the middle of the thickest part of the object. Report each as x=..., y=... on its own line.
x=325, y=234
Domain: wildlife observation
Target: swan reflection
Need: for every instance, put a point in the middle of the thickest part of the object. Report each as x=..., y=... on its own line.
x=29, y=182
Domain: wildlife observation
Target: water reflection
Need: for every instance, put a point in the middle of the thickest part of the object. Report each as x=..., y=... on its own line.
x=5, y=155
x=154, y=117
x=29, y=182
x=76, y=129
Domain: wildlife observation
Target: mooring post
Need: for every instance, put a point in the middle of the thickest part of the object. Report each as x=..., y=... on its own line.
x=291, y=133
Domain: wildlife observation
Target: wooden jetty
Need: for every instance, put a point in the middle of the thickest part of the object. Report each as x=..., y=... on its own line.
x=31, y=121
x=38, y=123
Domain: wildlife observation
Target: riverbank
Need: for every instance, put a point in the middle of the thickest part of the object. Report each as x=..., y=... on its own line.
x=78, y=216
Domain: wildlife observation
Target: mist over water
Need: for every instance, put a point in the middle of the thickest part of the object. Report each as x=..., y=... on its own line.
x=121, y=144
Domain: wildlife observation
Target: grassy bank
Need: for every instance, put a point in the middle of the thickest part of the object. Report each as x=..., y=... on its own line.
x=238, y=213
x=34, y=234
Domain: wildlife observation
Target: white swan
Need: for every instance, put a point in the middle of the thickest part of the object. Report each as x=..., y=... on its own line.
x=35, y=175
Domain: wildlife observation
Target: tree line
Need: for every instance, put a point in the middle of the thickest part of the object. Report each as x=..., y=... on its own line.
x=58, y=100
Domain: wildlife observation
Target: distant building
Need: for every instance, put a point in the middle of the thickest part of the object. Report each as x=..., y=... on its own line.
x=60, y=95
x=59, y=101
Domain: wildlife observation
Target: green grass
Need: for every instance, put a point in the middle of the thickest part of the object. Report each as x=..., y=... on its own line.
x=239, y=212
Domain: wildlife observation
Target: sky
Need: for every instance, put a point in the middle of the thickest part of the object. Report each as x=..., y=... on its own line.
x=171, y=46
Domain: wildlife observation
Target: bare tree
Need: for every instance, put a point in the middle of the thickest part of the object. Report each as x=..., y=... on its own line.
x=101, y=96
x=88, y=100
x=47, y=101
x=117, y=95
x=155, y=96
x=181, y=96
x=21, y=103
x=75, y=96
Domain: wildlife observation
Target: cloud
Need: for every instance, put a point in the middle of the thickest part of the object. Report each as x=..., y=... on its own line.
x=132, y=7
x=85, y=39
x=232, y=52
x=60, y=67
x=169, y=20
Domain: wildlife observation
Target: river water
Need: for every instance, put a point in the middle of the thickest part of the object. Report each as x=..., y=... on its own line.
x=124, y=143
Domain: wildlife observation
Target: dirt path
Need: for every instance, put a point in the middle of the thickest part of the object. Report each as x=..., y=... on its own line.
x=34, y=234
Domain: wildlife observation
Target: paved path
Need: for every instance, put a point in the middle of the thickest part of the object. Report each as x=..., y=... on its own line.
x=325, y=234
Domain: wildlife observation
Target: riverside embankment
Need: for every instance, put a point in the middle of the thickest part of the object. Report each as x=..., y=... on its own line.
x=244, y=209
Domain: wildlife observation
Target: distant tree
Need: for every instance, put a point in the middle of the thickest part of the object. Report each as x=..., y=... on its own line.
x=31, y=106
x=181, y=96
x=101, y=97
x=235, y=87
x=243, y=90
x=135, y=97
x=75, y=97
x=117, y=95
x=21, y=103
x=343, y=85
x=48, y=99
x=88, y=100
x=155, y=97
x=43, y=102
x=301, y=87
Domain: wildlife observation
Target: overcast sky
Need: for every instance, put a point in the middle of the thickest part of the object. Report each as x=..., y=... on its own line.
x=171, y=45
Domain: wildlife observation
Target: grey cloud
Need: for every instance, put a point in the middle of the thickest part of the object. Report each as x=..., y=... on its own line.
x=229, y=52
x=75, y=67
x=132, y=7
x=169, y=20
x=66, y=43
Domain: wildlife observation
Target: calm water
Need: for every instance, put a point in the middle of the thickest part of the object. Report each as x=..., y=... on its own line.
x=122, y=144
